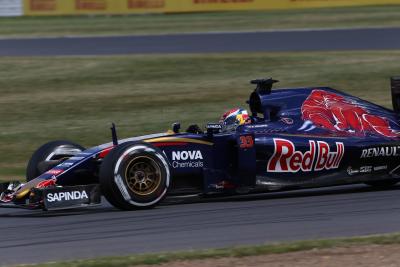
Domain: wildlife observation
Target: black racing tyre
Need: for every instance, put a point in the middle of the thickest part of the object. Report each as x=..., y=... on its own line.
x=134, y=176
x=49, y=155
x=383, y=183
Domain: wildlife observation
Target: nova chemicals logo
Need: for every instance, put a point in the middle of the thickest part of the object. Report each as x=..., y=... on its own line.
x=319, y=156
x=187, y=159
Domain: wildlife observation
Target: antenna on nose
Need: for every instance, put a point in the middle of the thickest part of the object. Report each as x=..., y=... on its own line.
x=114, y=134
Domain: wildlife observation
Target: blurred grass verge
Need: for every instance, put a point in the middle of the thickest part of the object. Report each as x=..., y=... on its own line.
x=234, y=252
x=76, y=98
x=342, y=17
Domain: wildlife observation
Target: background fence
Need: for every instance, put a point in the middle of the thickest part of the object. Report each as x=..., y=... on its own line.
x=79, y=7
x=11, y=7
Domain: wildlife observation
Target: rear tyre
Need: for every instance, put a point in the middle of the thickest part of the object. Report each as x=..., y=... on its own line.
x=49, y=155
x=134, y=176
x=383, y=183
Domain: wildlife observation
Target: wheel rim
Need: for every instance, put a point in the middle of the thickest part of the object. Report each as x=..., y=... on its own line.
x=143, y=175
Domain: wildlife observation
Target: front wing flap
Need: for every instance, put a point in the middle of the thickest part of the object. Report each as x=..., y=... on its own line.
x=57, y=197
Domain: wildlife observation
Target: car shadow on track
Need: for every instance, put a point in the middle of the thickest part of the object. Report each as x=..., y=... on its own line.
x=106, y=208
x=323, y=191
x=15, y=213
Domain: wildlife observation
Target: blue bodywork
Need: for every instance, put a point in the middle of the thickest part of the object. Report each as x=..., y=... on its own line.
x=298, y=138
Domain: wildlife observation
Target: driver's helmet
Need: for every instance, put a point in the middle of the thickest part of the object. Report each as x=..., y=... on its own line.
x=233, y=118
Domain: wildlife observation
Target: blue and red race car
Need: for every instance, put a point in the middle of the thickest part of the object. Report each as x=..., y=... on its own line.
x=294, y=138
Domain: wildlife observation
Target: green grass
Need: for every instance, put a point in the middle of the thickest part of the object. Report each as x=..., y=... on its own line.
x=370, y=16
x=153, y=259
x=77, y=98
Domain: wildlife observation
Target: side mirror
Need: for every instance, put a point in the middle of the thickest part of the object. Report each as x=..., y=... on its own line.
x=176, y=127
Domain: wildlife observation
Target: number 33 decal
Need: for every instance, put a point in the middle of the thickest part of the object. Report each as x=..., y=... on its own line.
x=246, y=141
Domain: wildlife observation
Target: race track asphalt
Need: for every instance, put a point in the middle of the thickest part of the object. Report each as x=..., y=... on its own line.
x=295, y=40
x=35, y=236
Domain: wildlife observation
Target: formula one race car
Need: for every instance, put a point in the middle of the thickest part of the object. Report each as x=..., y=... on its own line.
x=294, y=138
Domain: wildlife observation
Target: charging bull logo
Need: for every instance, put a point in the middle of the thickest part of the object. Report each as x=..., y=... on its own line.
x=338, y=114
x=319, y=157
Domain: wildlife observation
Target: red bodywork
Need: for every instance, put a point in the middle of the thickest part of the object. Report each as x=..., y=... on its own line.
x=338, y=114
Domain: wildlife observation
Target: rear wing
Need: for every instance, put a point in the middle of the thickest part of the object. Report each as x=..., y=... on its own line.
x=395, y=85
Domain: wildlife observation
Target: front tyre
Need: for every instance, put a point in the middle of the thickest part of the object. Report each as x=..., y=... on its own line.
x=134, y=176
x=49, y=155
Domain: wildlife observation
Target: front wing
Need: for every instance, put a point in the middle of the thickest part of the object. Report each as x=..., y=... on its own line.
x=57, y=197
